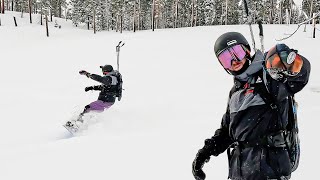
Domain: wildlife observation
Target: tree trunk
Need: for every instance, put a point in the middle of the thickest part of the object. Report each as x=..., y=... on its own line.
x=311, y=9
x=60, y=9
x=139, y=14
x=15, y=21
x=94, y=20
x=41, y=15
x=30, y=8
x=121, y=16
x=271, y=13
x=314, y=25
x=280, y=18
x=121, y=21
x=35, y=9
x=287, y=17
x=117, y=23
x=134, y=17
x=176, y=14
x=2, y=8
x=152, y=15
x=291, y=12
x=192, y=13
x=47, y=28
x=196, y=18
x=88, y=23
x=226, y=21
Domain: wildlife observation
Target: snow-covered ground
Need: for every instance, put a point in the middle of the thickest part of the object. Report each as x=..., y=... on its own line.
x=175, y=95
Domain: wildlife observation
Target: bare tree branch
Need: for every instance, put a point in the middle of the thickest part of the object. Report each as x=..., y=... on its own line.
x=299, y=25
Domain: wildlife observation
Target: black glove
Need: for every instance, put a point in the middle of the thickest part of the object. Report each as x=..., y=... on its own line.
x=83, y=72
x=282, y=62
x=88, y=88
x=213, y=146
x=277, y=74
x=201, y=158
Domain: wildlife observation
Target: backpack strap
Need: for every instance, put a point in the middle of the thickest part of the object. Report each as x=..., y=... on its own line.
x=282, y=137
x=292, y=116
x=266, y=95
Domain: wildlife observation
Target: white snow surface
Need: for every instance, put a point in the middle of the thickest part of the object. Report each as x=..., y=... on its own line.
x=175, y=95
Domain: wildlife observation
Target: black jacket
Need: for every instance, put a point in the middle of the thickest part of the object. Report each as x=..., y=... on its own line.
x=108, y=88
x=248, y=118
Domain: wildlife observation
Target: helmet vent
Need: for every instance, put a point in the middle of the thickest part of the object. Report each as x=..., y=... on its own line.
x=231, y=42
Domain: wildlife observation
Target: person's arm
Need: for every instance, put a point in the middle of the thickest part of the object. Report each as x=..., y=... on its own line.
x=221, y=140
x=213, y=146
x=106, y=80
x=299, y=81
x=291, y=79
x=97, y=88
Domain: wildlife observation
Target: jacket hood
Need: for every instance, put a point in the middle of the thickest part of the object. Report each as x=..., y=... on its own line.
x=255, y=66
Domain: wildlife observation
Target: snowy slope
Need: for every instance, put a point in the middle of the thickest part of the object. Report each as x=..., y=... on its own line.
x=175, y=95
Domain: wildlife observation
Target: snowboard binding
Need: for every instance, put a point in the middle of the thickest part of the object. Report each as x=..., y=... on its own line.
x=73, y=126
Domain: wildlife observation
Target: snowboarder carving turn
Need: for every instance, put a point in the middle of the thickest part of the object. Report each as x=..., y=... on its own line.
x=259, y=128
x=110, y=88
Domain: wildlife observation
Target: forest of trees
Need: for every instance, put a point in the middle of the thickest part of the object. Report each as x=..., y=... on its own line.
x=133, y=15
x=56, y=8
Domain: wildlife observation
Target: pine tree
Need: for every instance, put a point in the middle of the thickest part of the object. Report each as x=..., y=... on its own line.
x=310, y=7
x=234, y=11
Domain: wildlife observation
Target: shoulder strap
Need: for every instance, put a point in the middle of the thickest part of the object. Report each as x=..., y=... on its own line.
x=266, y=96
x=292, y=115
x=269, y=99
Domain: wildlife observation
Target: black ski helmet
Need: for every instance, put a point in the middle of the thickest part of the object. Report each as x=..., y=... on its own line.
x=229, y=39
x=106, y=68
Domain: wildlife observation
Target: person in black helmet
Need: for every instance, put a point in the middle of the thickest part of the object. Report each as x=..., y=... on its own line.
x=255, y=126
x=107, y=90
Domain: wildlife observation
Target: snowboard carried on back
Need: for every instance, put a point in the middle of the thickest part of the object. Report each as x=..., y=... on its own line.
x=119, y=87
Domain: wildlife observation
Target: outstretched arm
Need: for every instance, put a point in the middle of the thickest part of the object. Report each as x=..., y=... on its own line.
x=299, y=81
x=286, y=75
x=97, y=88
x=106, y=80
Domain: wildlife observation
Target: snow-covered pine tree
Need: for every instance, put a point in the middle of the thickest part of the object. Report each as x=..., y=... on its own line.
x=146, y=7
x=168, y=13
x=310, y=7
x=234, y=11
x=295, y=15
x=286, y=5
x=101, y=15
x=184, y=13
x=208, y=13
x=21, y=6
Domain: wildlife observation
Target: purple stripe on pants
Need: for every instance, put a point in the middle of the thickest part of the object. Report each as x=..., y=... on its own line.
x=99, y=106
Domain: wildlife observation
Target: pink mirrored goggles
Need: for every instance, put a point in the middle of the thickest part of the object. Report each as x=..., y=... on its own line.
x=237, y=52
